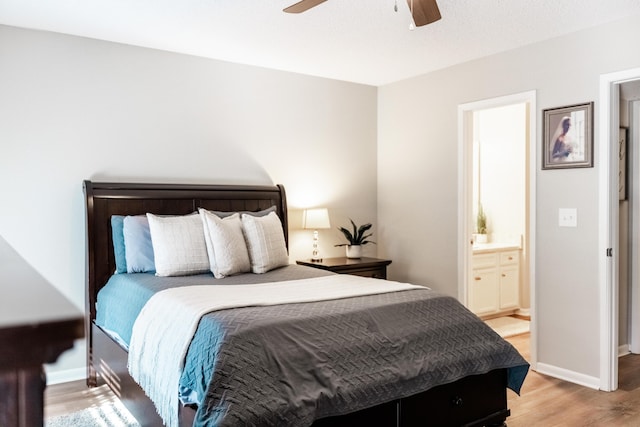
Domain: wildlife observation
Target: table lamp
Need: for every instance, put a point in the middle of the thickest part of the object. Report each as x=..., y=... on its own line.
x=313, y=219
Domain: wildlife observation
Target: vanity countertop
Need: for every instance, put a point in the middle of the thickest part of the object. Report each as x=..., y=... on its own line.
x=494, y=246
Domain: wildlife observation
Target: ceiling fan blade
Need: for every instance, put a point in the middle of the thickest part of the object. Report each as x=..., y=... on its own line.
x=424, y=11
x=303, y=5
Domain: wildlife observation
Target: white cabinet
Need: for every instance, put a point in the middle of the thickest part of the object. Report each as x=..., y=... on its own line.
x=484, y=284
x=495, y=282
x=509, y=279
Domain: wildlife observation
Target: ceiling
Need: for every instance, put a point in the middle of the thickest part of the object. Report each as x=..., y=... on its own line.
x=361, y=41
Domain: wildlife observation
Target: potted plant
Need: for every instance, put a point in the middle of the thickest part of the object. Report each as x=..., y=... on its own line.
x=356, y=239
x=481, y=225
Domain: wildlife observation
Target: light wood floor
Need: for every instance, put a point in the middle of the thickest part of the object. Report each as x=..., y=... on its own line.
x=544, y=401
x=62, y=399
x=550, y=402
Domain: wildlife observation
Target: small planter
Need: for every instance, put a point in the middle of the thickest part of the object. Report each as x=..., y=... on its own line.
x=356, y=239
x=481, y=238
x=354, y=251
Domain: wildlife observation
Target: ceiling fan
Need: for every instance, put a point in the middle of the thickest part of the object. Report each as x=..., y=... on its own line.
x=424, y=11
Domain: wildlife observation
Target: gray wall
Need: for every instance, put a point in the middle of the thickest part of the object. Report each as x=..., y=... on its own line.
x=418, y=189
x=73, y=108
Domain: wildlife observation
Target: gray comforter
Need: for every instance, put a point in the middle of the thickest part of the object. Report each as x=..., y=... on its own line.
x=287, y=365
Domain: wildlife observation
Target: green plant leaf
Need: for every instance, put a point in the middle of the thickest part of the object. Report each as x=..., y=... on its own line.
x=347, y=234
x=363, y=229
x=481, y=220
x=358, y=236
x=355, y=232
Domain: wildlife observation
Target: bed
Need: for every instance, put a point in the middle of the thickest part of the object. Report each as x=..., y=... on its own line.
x=474, y=399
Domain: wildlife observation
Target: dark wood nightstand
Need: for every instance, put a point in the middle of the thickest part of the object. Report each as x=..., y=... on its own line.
x=366, y=267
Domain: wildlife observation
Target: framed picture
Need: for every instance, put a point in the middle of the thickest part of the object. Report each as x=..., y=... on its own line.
x=622, y=158
x=568, y=137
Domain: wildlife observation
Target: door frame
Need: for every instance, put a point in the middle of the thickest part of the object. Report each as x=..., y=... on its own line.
x=608, y=225
x=634, y=279
x=465, y=210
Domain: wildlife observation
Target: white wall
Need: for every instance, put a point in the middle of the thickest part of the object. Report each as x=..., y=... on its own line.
x=73, y=108
x=501, y=134
x=417, y=179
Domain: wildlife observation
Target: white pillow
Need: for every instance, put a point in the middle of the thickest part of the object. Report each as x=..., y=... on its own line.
x=265, y=241
x=225, y=244
x=178, y=245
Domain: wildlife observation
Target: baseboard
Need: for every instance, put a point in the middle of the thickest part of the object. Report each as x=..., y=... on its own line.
x=623, y=350
x=567, y=375
x=523, y=313
x=66, y=376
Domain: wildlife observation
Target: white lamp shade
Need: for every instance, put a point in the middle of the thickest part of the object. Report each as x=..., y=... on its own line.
x=314, y=219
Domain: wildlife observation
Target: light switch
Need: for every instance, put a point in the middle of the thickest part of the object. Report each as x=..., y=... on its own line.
x=567, y=217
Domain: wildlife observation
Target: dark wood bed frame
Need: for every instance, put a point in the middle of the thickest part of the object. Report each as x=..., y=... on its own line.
x=478, y=400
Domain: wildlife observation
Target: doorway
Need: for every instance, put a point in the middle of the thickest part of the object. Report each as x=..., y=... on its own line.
x=629, y=219
x=609, y=227
x=628, y=249
x=510, y=250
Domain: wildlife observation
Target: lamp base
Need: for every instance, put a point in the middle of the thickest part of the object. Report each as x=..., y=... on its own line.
x=315, y=257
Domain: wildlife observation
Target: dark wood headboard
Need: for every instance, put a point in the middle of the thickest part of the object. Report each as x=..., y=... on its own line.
x=104, y=199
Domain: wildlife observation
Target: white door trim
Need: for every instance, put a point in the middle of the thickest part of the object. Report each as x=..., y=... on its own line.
x=465, y=223
x=608, y=224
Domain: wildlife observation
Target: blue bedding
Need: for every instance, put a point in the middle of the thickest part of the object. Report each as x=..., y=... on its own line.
x=121, y=299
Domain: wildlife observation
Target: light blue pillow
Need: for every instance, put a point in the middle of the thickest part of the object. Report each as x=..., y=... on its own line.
x=138, y=247
x=117, y=224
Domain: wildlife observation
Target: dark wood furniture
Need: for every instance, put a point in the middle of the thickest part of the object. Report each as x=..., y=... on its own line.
x=366, y=267
x=473, y=401
x=36, y=325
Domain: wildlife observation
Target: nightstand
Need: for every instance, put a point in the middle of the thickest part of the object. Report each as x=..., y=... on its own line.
x=366, y=267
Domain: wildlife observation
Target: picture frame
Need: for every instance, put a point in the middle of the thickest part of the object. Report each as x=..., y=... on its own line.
x=568, y=137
